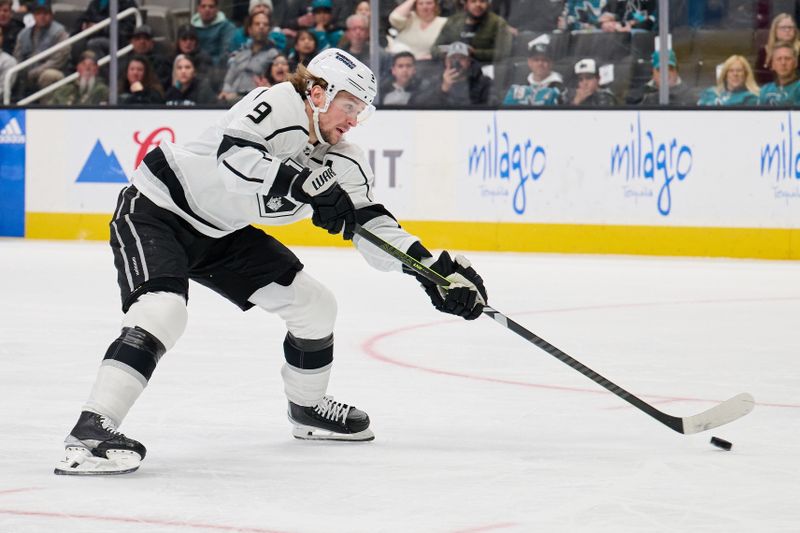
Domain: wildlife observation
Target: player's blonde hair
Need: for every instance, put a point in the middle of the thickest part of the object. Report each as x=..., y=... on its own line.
x=302, y=79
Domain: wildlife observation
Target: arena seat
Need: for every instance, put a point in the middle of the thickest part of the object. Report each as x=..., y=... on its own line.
x=559, y=44
x=710, y=48
x=782, y=6
x=173, y=5
x=180, y=11
x=682, y=41
x=722, y=43
x=67, y=14
x=602, y=46
x=161, y=21
x=623, y=71
x=80, y=4
x=643, y=44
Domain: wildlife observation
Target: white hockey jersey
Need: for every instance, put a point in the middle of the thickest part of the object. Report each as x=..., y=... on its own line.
x=238, y=172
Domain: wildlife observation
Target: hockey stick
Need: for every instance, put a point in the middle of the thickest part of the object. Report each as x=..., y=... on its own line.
x=727, y=411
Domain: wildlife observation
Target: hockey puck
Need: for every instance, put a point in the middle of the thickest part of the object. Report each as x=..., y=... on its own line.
x=721, y=443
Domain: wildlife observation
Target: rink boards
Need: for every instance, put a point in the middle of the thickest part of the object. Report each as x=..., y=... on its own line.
x=651, y=182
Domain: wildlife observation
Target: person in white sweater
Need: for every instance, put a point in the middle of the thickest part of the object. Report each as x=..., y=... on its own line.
x=418, y=25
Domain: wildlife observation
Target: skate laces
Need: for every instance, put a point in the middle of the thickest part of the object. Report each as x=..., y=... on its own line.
x=327, y=408
x=109, y=426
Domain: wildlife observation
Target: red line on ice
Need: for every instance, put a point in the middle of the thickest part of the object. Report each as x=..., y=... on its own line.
x=133, y=520
x=23, y=489
x=370, y=348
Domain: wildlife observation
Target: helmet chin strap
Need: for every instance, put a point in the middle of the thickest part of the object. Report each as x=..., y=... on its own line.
x=316, y=112
x=315, y=120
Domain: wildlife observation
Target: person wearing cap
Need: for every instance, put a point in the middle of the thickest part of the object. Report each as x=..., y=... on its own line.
x=278, y=157
x=214, y=31
x=544, y=86
x=462, y=84
x=679, y=93
x=588, y=91
x=187, y=45
x=144, y=45
x=88, y=89
x=486, y=34
x=44, y=34
x=785, y=90
x=298, y=16
x=327, y=34
x=736, y=85
x=249, y=62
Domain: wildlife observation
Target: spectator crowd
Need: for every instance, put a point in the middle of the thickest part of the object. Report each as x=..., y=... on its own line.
x=433, y=53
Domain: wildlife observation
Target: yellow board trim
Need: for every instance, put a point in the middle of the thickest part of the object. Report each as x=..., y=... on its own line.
x=757, y=243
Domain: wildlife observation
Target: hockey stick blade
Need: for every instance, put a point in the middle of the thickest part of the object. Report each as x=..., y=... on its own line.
x=727, y=411
x=723, y=413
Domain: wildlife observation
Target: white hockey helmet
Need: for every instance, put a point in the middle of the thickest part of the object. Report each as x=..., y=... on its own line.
x=343, y=72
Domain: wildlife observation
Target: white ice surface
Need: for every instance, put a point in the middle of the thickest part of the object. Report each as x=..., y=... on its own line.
x=476, y=429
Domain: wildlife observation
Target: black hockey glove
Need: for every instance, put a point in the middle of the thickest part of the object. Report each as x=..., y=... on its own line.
x=333, y=209
x=466, y=294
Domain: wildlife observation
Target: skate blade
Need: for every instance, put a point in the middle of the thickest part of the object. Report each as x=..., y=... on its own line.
x=313, y=433
x=81, y=462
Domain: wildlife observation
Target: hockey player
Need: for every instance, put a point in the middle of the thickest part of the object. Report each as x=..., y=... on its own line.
x=275, y=157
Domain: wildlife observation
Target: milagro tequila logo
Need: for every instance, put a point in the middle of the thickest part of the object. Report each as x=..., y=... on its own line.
x=781, y=161
x=647, y=160
x=503, y=160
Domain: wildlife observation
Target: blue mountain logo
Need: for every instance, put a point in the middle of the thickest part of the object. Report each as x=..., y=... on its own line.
x=101, y=167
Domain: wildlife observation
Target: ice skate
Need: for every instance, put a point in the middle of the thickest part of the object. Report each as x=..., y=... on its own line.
x=329, y=420
x=95, y=447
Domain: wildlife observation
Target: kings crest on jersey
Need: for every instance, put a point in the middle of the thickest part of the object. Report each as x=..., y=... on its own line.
x=239, y=170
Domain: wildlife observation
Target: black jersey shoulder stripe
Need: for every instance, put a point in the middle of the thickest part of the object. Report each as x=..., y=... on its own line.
x=285, y=130
x=240, y=175
x=259, y=94
x=158, y=165
x=366, y=181
x=229, y=141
